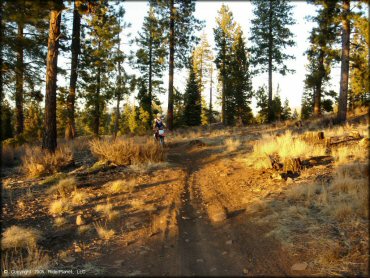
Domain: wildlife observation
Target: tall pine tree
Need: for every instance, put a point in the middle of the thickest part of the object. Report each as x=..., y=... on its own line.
x=270, y=36
x=192, y=99
x=178, y=23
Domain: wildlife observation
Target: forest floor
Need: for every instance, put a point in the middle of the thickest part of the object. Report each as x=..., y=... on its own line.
x=202, y=212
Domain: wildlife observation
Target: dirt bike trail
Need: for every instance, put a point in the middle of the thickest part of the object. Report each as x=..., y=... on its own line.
x=233, y=247
x=196, y=246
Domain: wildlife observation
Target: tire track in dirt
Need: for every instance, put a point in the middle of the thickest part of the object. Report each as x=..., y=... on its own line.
x=234, y=247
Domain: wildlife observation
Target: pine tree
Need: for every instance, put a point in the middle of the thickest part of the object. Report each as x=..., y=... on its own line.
x=6, y=121
x=202, y=61
x=359, y=92
x=262, y=104
x=25, y=33
x=241, y=84
x=344, y=71
x=224, y=35
x=98, y=59
x=176, y=18
x=192, y=99
x=286, y=112
x=321, y=53
x=151, y=56
x=270, y=35
x=49, y=140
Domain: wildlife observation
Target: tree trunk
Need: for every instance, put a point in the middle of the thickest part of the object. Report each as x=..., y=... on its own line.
x=223, y=101
x=49, y=141
x=97, y=105
x=318, y=91
x=1, y=86
x=171, y=66
x=270, y=46
x=210, y=98
x=150, y=87
x=344, y=72
x=70, y=131
x=118, y=100
x=19, y=78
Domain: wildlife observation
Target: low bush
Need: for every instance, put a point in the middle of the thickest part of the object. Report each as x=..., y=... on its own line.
x=19, y=237
x=127, y=152
x=37, y=162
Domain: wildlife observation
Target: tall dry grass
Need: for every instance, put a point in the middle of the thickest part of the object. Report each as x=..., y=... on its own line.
x=18, y=237
x=37, y=162
x=127, y=152
x=285, y=146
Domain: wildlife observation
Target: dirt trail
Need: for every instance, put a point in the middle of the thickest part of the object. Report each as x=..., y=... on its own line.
x=192, y=245
x=232, y=247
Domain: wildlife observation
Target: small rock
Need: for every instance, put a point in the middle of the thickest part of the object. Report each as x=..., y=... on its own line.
x=299, y=266
x=200, y=260
x=245, y=271
x=213, y=269
x=229, y=242
x=224, y=253
x=143, y=252
x=187, y=240
x=78, y=249
x=79, y=220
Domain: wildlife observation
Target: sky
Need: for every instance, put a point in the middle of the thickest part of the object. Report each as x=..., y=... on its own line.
x=291, y=86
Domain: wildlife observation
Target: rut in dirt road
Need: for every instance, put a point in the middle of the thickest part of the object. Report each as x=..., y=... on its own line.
x=231, y=247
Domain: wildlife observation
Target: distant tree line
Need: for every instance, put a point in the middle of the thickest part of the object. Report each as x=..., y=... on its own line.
x=37, y=35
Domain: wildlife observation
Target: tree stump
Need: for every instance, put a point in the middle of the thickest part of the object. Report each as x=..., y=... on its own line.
x=292, y=165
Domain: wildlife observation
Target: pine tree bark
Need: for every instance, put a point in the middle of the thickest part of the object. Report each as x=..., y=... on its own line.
x=150, y=87
x=223, y=98
x=19, y=79
x=343, y=91
x=1, y=86
x=97, y=104
x=70, y=131
x=210, y=98
x=318, y=90
x=118, y=101
x=270, y=46
x=49, y=141
x=171, y=66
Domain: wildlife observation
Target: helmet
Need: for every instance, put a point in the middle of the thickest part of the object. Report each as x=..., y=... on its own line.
x=159, y=116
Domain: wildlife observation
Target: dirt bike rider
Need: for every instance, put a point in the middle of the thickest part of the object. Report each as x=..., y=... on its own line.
x=158, y=125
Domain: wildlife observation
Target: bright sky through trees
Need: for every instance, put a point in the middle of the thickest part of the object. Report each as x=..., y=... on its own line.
x=291, y=85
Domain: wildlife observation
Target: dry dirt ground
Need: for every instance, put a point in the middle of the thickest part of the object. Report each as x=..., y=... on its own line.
x=198, y=214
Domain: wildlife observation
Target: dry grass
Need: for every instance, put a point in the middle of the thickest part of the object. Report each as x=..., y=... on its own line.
x=107, y=211
x=232, y=144
x=285, y=146
x=120, y=186
x=19, y=237
x=79, y=197
x=37, y=162
x=60, y=221
x=103, y=232
x=127, y=152
x=58, y=207
x=14, y=260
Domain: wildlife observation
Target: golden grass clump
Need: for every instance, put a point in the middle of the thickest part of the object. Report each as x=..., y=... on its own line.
x=285, y=146
x=120, y=186
x=19, y=237
x=127, y=151
x=59, y=206
x=232, y=144
x=103, y=232
x=37, y=162
x=79, y=197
